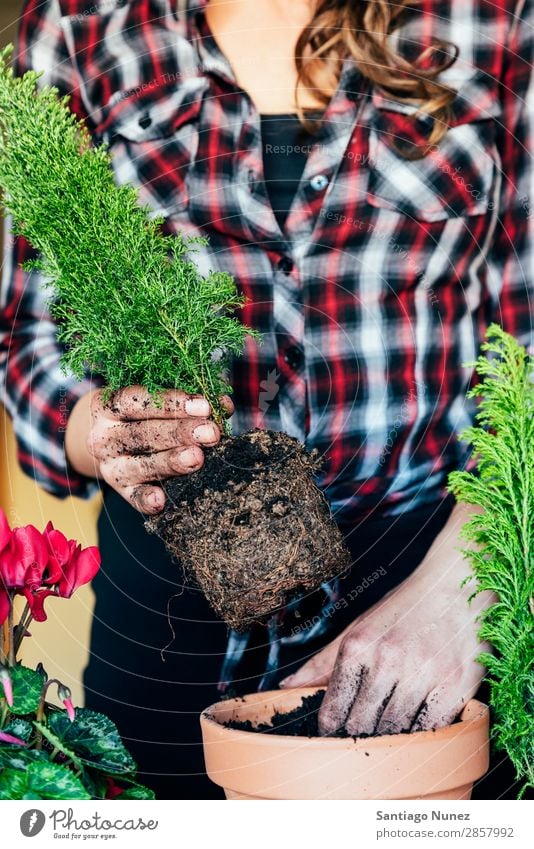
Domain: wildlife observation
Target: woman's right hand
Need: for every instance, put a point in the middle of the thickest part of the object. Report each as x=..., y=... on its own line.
x=131, y=443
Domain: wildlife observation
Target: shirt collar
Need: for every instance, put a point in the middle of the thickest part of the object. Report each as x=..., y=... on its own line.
x=210, y=58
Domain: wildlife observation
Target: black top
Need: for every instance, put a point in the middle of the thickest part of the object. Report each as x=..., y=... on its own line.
x=286, y=144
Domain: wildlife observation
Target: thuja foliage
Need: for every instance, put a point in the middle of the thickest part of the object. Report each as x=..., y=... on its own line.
x=130, y=303
x=503, y=557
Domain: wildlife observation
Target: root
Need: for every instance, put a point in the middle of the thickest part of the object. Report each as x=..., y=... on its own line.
x=252, y=527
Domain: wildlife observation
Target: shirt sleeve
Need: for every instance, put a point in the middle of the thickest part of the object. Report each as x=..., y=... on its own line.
x=34, y=390
x=511, y=256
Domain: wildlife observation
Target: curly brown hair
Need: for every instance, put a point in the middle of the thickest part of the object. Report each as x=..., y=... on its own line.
x=361, y=29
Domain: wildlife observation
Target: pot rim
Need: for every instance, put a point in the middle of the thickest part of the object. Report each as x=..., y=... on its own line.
x=477, y=712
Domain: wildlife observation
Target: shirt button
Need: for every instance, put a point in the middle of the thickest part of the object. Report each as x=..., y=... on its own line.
x=354, y=84
x=319, y=182
x=252, y=180
x=293, y=357
x=145, y=121
x=286, y=264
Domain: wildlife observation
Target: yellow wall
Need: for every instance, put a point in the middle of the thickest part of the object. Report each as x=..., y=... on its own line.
x=61, y=643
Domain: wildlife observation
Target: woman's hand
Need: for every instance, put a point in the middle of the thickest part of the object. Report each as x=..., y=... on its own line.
x=409, y=662
x=131, y=443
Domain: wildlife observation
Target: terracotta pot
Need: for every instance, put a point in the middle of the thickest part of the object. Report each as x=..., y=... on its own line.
x=439, y=764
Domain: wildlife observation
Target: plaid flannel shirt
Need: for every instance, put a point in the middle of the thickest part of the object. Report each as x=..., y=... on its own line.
x=385, y=277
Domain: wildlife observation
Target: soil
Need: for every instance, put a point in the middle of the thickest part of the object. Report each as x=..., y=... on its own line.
x=251, y=527
x=299, y=722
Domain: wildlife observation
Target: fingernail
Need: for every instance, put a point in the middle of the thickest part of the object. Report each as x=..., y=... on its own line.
x=153, y=499
x=285, y=681
x=188, y=458
x=205, y=433
x=197, y=407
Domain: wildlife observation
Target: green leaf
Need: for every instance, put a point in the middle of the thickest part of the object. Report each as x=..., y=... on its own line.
x=42, y=780
x=96, y=785
x=95, y=740
x=27, y=688
x=15, y=757
x=57, y=743
x=136, y=791
x=94, y=782
x=19, y=728
x=12, y=784
x=53, y=781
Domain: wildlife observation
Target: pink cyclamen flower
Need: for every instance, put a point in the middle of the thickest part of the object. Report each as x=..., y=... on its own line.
x=9, y=738
x=5, y=531
x=39, y=565
x=24, y=559
x=113, y=789
x=5, y=539
x=69, y=707
x=5, y=681
x=81, y=568
x=5, y=604
x=65, y=695
x=60, y=551
x=36, y=600
x=31, y=548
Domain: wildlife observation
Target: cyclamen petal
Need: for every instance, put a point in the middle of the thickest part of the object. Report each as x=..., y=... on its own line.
x=5, y=531
x=31, y=545
x=89, y=562
x=9, y=738
x=12, y=568
x=5, y=604
x=69, y=707
x=81, y=569
x=36, y=600
x=24, y=562
x=5, y=680
x=59, y=553
x=113, y=789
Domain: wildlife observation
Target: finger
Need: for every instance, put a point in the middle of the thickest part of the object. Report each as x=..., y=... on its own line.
x=342, y=691
x=310, y=675
x=146, y=498
x=227, y=404
x=131, y=471
x=133, y=403
x=374, y=694
x=441, y=707
x=316, y=671
x=401, y=709
x=147, y=437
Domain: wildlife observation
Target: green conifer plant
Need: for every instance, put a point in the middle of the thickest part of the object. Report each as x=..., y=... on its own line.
x=251, y=526
x=502, y=484
x=129, y=304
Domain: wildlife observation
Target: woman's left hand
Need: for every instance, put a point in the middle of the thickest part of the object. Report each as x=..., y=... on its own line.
x=409, y=662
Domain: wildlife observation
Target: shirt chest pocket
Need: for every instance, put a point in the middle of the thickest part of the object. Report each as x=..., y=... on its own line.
x=153, y=140
x=456, y=179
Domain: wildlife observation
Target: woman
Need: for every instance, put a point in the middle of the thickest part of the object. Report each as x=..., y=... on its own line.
x=367, y=188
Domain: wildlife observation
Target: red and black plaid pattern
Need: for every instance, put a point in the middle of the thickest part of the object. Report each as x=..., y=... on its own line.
x=388, y=270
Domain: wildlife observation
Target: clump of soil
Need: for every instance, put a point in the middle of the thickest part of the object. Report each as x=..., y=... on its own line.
x=302, y=721
x=299, y=722
x=251, y=526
